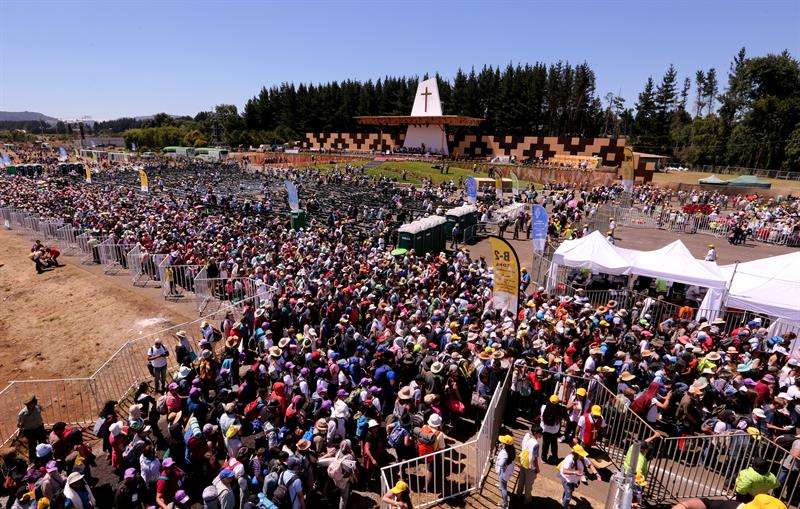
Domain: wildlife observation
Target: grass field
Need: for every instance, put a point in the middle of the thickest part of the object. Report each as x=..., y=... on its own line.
x=691, y=177
x=416, y=171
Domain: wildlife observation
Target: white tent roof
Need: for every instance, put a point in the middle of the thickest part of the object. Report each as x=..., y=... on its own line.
x=463, y=210
x=423, y=224
x=510, y=211
x=591, y=252
x=674, y=262
x=769, y=285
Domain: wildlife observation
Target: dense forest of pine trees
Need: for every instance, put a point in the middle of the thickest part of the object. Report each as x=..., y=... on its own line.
x=753, y=121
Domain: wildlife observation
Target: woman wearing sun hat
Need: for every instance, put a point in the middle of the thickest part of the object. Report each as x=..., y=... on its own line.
x=399, y=496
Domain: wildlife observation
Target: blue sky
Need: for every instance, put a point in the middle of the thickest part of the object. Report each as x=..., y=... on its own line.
x=107, y=59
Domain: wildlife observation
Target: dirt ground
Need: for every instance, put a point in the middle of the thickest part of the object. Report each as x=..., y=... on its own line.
x=69, y=320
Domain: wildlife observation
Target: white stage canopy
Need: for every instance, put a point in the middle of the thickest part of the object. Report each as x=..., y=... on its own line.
x=769, y=285
x=592, y=252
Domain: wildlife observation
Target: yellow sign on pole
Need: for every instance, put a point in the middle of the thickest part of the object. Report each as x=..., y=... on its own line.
x=88, y=174
x=505, y=267
x=627, y=170
x=144, y=181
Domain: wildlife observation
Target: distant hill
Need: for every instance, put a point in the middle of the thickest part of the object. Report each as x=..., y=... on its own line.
x=26, y=116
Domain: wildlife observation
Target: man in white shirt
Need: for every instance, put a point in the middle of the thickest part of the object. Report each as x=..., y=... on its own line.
x=157, y=359
x=529, y=462
x=571, y=471
x=711, y=255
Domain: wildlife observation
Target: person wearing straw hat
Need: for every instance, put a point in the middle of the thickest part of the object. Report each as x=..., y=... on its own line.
x=504, y=466
x=571, y=471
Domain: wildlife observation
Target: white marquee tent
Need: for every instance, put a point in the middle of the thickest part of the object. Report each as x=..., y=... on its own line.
x=769, y=285
x=592, y=252
x=674, y=262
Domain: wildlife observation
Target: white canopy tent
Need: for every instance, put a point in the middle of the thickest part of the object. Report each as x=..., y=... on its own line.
x=769, y=285
x=674, y=262
x=592, y=252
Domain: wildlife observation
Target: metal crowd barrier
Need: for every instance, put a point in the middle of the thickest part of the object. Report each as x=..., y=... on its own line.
x=5, y=217
x=454, y=471
x=78, y=400
x=177, y=281
x=687, y=466
x=143, y=266
x=67, y=238
x=233, y=290
x=707, y=466
x=113, y=255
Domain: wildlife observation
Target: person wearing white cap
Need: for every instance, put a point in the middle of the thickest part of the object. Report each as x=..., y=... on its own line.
x=430, y=440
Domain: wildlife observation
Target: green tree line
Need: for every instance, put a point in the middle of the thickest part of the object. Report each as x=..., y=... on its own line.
x=751, y=120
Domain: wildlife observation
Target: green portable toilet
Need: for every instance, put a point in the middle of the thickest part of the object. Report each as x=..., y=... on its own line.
x=298, y=219
x=424, y=235
x=465, y=216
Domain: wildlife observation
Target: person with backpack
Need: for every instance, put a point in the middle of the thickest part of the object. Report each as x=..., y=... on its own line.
x=528, y=462
x=289, y=492
x=400, y=438
x=341, y=468
x=429, y=440
x=223, y=483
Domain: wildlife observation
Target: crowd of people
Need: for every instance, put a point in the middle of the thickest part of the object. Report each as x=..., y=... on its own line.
x=360, y=358
x=737, y=217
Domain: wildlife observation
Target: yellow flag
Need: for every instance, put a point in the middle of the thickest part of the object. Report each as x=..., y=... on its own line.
x=627, y=170
x=88, y=174
x=505, y=267
x=143, y=180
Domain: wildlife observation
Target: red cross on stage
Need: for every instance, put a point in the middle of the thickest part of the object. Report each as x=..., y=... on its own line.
x=426, y=94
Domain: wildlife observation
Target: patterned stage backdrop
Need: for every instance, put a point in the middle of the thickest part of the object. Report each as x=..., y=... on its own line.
x=481, y=146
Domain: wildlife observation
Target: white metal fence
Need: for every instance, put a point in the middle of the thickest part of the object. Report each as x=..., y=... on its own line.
x=113, y=255
x=78, y=400
x=177, y=281
x=143, y=266
x=454, y=471
x=686, y=466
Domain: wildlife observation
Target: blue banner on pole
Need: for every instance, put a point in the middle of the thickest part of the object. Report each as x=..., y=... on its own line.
x=472, y=189
x=538, y=227
x=291, y=191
